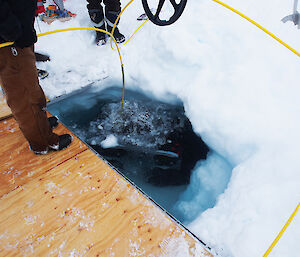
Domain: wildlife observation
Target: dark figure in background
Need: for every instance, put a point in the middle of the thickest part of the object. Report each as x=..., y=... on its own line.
x=19, y=77
x=105, y=22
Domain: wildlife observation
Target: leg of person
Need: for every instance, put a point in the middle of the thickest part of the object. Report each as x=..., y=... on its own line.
x=60, y=4
x=26, y=99
x=95, y=10
x=112, y=10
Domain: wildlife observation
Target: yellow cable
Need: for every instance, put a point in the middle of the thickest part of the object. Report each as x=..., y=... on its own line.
x=83, y=28
x=223, y=4
x=282, y=231
x=259, y=26
x=6, y=44
x=115, y=24
x=135, y=31
x=116, y=21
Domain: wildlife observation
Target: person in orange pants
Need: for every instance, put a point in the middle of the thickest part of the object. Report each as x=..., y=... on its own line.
x=19, y=77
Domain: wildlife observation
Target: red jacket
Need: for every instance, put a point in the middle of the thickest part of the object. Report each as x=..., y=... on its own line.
x=40, y=7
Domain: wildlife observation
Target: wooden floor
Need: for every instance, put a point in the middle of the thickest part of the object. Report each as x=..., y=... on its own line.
x=71, y=203
x=4, y=109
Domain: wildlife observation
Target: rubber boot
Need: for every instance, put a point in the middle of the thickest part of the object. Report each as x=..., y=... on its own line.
x=120, y=38
x=100, y=36
x=42, y=73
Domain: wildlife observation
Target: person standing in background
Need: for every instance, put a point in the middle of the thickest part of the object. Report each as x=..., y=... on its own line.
x=60, y=4
x=40, y=7
x=105, y=22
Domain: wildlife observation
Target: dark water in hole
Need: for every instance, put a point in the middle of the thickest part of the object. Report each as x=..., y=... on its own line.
x=151, y=142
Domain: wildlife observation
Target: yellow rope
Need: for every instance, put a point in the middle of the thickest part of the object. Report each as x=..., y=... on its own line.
x=259, y=26
x=83, y=28
x=282, y=231
x=115, y=25
x=223, y=4
x=6, y=44
x=136, y=31
x=116, y=21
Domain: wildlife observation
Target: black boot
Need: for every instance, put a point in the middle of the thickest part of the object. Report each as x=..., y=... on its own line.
x=100, y=36
x=120, y=38
x=64, y=141
x=53, y=121
x=42, y=73
x=41, y=57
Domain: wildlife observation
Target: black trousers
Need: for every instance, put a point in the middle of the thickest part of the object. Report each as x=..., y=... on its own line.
x=112, y=10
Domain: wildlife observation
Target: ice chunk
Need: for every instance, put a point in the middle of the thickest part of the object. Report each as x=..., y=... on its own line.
x=109, y=142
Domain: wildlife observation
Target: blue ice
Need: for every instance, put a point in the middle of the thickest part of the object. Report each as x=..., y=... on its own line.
x=209, y=179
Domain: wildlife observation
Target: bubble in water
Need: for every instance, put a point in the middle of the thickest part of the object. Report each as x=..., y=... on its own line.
x=138, y=124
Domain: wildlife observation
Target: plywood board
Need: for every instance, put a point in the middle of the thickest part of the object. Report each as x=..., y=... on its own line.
x=19, y=165
x=4, y=109
x=84, y=208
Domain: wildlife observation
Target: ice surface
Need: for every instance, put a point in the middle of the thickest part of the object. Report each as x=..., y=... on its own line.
x=209, y=179
x=240, y=90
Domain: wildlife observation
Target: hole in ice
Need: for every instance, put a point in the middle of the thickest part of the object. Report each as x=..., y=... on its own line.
x=151, y=142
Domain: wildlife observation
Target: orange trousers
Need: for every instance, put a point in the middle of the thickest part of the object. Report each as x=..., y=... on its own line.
x=25, y=96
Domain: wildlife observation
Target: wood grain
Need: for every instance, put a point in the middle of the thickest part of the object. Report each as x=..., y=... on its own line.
x=84, y=208
x=19, y=165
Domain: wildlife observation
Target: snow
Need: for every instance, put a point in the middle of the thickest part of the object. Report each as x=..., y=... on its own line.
x=240, y=89
x=207, y=183
x=110, y=141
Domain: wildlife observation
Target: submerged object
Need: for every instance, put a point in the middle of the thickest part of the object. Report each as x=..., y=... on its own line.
x=153, y=141
x=158, y=135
